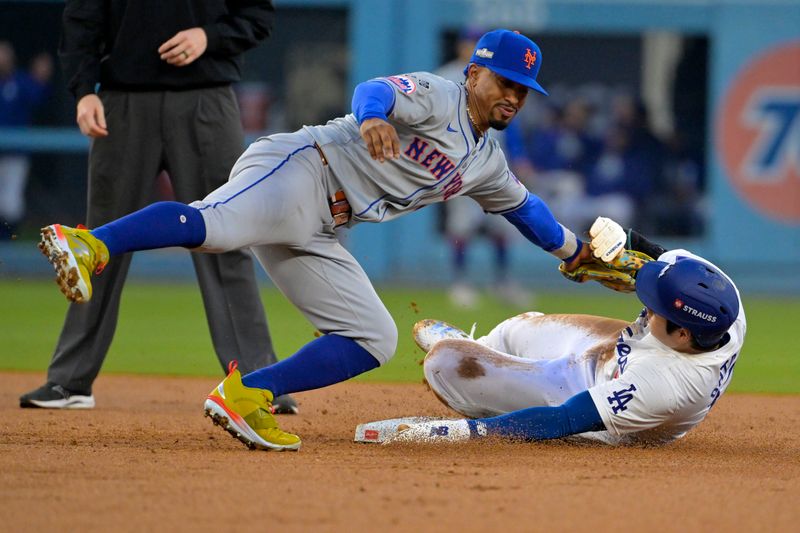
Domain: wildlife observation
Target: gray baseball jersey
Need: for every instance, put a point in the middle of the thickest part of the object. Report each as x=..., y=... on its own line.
x=440, y=157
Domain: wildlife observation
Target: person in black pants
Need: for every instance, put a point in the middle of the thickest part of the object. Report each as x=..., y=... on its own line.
x=153, y=85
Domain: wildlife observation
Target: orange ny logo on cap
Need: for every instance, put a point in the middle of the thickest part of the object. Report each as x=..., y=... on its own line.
x=530, y=58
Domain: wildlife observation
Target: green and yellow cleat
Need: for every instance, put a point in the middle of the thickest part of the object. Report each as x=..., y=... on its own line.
x=75, y=254
x=245, y=413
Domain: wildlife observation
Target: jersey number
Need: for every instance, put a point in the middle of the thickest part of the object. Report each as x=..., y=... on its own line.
x=620, y=398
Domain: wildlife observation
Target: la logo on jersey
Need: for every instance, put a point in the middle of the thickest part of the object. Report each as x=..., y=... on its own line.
x=758, y=132
x=619, y=398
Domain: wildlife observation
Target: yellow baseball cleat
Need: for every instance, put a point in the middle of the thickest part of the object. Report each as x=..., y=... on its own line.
x=75, y=254
x=245, y=413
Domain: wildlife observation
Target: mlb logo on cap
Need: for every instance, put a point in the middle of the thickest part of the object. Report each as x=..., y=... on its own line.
x=510, y=55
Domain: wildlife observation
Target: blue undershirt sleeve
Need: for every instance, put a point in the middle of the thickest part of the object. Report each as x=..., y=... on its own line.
x=372, y=99
x=535, y=220
x=576, y=415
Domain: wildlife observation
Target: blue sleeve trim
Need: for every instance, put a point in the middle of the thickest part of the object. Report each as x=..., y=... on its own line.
x=372, y=99
x=536, y=222
x=576, y=415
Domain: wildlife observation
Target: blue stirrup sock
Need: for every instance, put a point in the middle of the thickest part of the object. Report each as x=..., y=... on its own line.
x=160, y=225
x=324, y=361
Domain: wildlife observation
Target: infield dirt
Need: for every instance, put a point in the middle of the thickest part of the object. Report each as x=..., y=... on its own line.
x=145, y=459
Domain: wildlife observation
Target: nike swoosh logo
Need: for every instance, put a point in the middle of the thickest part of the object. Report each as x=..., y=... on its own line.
x=450, y=129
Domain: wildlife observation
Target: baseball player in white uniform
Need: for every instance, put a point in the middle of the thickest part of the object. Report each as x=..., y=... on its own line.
x=412, y=140
x=537, y=376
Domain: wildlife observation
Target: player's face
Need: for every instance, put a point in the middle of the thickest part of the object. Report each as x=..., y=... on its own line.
x=499, y=99
x=658, y=328
x=677, y=340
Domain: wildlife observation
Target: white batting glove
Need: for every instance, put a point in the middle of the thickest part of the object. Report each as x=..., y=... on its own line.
x=436, y=432
x=608, y=239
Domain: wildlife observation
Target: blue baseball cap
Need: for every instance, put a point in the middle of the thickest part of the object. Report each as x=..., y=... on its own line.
x=510, y=55
x=692, y=294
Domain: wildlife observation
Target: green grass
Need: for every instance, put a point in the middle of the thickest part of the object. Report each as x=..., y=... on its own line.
x=162, y=330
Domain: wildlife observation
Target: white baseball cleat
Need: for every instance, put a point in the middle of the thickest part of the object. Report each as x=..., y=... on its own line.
x=429, y=331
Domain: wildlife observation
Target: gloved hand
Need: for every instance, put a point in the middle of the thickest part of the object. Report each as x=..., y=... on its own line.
x=614, y=266
x=619, y=274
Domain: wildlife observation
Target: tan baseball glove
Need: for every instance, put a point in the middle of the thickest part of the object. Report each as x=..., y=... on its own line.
x=618, y=274
x=614, y=266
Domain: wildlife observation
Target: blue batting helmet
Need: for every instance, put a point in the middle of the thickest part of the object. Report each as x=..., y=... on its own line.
x=692, y=294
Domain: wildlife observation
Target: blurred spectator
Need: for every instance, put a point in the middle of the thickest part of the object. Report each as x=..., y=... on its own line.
x=689, y=97
x=676, y=207
x=566, y=144
x=644, y=157
x=20, y=93
x=583, y=177
x=618, y=182
x=631, y=114
x=255, y=100
x=563, y=151
x=465, y=220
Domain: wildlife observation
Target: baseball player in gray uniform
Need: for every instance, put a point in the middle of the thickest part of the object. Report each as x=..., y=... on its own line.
x=412, y=140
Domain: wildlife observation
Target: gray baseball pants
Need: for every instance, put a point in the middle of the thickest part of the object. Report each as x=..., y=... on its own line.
x=276, y=203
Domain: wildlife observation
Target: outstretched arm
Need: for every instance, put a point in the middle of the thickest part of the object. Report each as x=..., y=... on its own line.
x=536, y=222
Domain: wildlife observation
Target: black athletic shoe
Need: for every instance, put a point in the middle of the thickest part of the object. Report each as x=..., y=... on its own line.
x=285, y=405
x=52, y=396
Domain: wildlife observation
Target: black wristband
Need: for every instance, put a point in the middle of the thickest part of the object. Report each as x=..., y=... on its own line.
x=638, y=242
